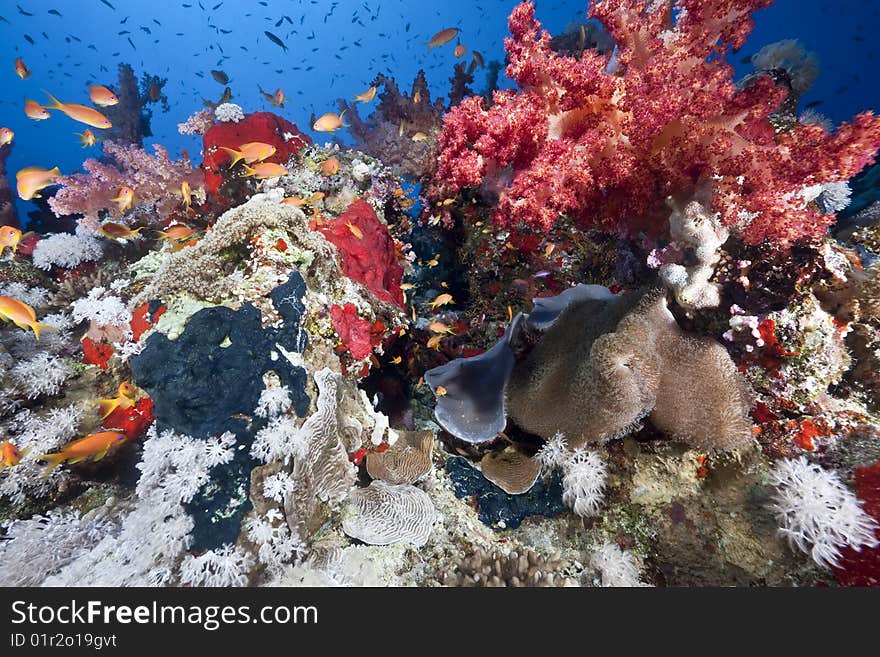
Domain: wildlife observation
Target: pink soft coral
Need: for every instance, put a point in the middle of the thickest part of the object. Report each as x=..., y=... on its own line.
x=607, y=141
x=155, y=179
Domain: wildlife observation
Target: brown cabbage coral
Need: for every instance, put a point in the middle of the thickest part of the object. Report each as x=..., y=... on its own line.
x=594, y=384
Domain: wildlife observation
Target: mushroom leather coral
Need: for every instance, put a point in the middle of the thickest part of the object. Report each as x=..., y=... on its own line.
x=260, y=126
x=367, y=248
x=606, y=141
x=593, y=384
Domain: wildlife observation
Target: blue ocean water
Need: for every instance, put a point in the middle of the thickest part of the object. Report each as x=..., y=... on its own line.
x=333, y=50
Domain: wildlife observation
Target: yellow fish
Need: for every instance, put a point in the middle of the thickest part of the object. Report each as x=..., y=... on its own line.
x=86, y=138
x=10, y=455
x=443, y=36
x=94, y=446
x=420, y=136
x=102, y=96
x=21, y=70
x=124, y=199
x=22, y=315
x=118, y=231
x=31, y=180
x=33, y=110
x=329, y=122
x=6, y=136
x=355, y=230
x=254, y=151
x=124, y=399
x=88, y=115
x=367, y=96
x=10, y=236
x=265, y=170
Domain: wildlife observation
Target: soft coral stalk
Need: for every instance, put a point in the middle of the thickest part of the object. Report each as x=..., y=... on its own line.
x=607, y=141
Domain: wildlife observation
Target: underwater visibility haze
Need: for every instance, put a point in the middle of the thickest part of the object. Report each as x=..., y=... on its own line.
x=387, y=293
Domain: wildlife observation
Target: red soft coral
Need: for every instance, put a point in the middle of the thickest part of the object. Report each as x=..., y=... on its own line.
x=862, y=567
x=367, y=248
x=607, y=141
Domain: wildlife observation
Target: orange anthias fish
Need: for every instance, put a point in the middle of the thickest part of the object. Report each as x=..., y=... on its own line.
x=367, y=96
x=10, y=236
x=10, y=455
x=31, y=180
x=459, y=51
x=277, y=99
x=86, y=138
x=94, y=446
x=118, y=231
x=265, y=170
x=420, y=136
x=124, y=399
x=330, y=166
x=357, y=232
x=295, y=201
x=124, y=199
x=440, y=327
x=329, y=122
x=177, y=232
x=434, y=342
x=88, y=115
x=442, y=300
x=22, y=315
x=102, y=96
x=6, y=136
x=443, y=36
x=253, y=151
x=33, y=110
x=21, y=70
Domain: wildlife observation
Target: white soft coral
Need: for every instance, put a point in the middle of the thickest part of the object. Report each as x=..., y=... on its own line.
x=583, y=482
x=817, y=512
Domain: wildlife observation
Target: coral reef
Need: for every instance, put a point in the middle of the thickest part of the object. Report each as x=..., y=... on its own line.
x=587, y=329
